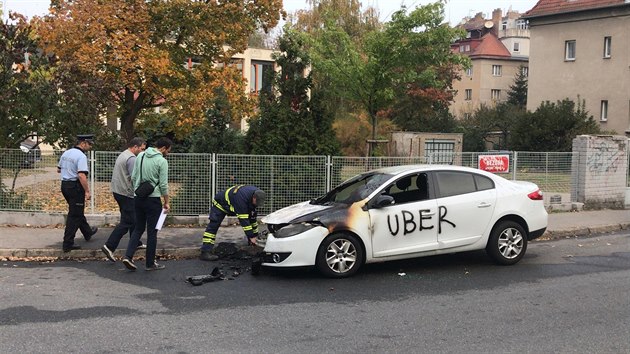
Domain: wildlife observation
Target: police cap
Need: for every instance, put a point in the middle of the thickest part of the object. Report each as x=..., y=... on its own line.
x=89, y=138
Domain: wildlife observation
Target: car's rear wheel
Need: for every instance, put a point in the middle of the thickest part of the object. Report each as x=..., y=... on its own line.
x=339, y=256
x=507, y=243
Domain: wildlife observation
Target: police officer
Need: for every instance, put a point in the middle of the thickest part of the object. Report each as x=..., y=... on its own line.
x=73, y=166
x=240, y=201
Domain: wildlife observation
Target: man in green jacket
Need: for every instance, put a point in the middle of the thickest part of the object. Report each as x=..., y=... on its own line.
x=151, y=166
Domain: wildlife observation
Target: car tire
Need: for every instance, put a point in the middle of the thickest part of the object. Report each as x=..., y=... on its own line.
x=507, y=243
x=339, y=256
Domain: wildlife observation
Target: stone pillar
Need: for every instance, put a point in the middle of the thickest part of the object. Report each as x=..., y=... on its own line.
x=598, y=172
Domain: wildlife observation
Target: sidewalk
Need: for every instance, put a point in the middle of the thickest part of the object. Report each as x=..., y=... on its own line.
x=184, y=242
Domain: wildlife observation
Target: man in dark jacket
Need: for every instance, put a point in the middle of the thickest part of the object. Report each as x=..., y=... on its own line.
x=240, y=201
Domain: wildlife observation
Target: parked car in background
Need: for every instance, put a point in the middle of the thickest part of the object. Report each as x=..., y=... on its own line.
x=406, y=212
x=32, y=153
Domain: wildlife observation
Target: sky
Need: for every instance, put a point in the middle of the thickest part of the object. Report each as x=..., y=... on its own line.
x=455, y=10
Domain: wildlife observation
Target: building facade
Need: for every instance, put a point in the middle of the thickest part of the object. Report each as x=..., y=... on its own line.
x=498, y=48
x=580, y=50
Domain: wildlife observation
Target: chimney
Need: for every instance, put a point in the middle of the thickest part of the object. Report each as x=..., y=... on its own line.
x=497, y=16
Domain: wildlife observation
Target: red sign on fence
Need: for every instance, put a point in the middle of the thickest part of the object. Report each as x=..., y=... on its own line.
x=495, y=163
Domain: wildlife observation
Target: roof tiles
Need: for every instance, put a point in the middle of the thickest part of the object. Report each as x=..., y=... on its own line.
x=490, y=46
x=552, y=7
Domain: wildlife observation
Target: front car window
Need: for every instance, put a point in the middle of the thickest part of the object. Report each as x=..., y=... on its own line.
x=355, y=189
x=408, y=189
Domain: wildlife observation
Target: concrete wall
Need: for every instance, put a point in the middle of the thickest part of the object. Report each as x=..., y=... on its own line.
x=599, y=171
x=411, y=144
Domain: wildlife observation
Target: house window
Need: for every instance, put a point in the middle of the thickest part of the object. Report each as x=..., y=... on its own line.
x=517, y=46
x=495, y=94
x=604, y=111
x=461, y=48
x=260, y=76
x=468, y=47
x=504, y=25
x=468, y=94
x=496, y=70
x=469, y=72
x=607, y=43
x=521, y=24
x=525, y=71
x=569, y=50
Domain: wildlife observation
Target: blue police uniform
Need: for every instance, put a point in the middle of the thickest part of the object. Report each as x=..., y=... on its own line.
x=235, y=201
x=72, y=162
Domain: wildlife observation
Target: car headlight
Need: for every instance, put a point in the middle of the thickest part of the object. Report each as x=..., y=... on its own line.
x=293, y=229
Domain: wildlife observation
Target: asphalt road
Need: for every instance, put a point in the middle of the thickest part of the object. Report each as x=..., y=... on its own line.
x=568, y=296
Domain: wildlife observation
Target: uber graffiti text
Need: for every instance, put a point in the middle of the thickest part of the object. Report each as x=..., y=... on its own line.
x=416, y=221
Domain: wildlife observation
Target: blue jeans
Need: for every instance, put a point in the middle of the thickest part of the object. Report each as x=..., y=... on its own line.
x=127, y=221
x=148, y=212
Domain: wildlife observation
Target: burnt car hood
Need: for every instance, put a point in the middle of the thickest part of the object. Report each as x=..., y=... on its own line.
x=305, y=212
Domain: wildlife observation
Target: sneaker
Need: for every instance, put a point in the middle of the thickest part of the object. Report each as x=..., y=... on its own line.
x=207, y=256
x=108, y=253
x=94, y=230
x=141, y=246
x=129, y=264
x=156, y=266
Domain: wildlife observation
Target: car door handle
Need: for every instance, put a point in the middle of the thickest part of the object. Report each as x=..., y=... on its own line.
x=483, y=205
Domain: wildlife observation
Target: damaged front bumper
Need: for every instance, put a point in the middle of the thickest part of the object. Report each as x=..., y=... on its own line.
x=295, y=251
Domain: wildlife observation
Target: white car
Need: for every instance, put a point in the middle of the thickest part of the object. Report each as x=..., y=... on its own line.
x=405, y=212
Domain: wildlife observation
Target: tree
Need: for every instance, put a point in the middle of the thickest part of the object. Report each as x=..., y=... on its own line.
x=140, y=49
x=411, y=51
x=517, y=95
x=552, y=127
x=290, y=122
x=346, y=14
x=491, y=125
x=32, y=99
x=215, y=134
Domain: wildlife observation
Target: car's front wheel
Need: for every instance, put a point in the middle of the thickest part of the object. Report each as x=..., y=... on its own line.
x=339, y=256
x=507, y=243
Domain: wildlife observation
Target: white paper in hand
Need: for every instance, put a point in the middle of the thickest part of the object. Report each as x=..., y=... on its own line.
x=160, y=221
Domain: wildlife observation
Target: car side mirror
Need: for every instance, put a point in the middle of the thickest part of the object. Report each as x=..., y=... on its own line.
x=383, y=200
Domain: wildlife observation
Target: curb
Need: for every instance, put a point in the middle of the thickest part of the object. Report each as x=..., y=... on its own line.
x=38, y=254
x=93, y=254
x=42, y=219
x=588, y=231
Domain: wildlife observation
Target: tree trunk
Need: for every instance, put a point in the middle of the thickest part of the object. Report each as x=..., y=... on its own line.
x=132, y=107
x=372, y=144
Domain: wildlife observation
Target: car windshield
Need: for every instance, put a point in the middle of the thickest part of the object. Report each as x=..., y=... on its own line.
x=354, y=189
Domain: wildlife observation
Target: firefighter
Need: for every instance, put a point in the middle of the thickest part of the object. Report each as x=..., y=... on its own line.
x=240, y=201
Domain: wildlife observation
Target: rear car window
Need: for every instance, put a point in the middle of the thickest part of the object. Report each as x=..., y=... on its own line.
x=453, y=183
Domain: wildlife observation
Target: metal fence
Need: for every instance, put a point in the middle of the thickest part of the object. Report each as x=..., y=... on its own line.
x=30, y=181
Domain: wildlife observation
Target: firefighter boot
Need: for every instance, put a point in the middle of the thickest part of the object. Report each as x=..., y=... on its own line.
x=208, y=256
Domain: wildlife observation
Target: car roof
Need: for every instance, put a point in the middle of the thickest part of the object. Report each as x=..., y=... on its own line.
x=396, y=170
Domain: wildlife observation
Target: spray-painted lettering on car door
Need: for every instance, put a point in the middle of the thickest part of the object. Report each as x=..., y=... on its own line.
x=409, y=222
